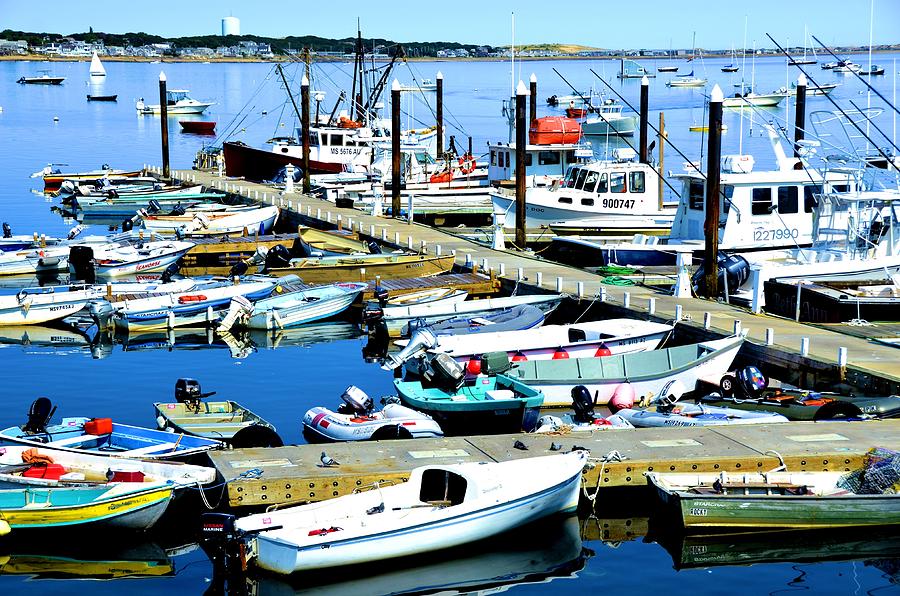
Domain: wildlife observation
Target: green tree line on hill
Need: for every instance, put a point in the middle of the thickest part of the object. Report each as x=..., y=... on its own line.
x=279, y=45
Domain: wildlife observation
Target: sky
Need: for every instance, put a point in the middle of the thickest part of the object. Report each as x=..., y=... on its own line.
x=597, y=23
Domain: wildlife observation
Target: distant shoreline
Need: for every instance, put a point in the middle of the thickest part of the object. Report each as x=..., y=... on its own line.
x=232, y=60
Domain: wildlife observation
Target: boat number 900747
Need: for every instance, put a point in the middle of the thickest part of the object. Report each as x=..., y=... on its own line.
x=618, y=203
x=763, y=235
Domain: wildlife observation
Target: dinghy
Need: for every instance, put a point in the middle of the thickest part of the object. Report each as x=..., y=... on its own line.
x=439, y=507
x=49, y=260
x=102, y=436
x=489, y=402
x=126, y=258
x=204, y=223
x=32, y=306
x=398, y=318
x=289, y=309
x=582, y=418
x=741, y=502
x=53, y=177
x=646, y=373
x=516, y=318
x=323, y=270
x=696, y=415
x=357, y=420
x=428, y=296
x=580, y=340
x=225, y=421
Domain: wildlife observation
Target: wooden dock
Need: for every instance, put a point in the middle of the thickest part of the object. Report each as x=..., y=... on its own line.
x=294, y=474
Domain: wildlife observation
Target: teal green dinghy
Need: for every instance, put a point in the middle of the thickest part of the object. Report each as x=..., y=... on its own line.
x=489, y=403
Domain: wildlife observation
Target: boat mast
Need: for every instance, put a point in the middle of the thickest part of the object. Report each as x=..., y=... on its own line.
x=743, y=71
x=512, y=59
x=288, y=89
x=361, y=52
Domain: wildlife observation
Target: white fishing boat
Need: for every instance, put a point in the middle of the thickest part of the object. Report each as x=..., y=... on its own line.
x=207, y=222
x=357, y=420
x=821, y=89
x=97, y=69
x=846, y=67
x=578, y=340
x=397, y=318
x=289, y=309
x=617, y=196
x=642, y=374
x=440, y=506
x=609, y=120
x=759, y=100
x=178, y=101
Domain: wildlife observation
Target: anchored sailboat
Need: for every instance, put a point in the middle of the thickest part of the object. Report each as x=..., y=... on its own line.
x=97, y=69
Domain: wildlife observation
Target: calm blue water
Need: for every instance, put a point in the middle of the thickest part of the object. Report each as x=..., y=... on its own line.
x=312, y=367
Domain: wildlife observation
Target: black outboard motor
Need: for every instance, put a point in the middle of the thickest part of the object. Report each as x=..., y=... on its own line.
x=222, y=543
x=374, y=247
x=39, y=415
x=238, y=269
x=127, y=225
x=278, y=257
x=734, y=270
x=381, y=295
x=750, y=382
x=372, y=314
x=583, y=405
x=81, y=262
x=178, y=210
x=169, y=271
x=188, y=392
x=7, y=231
x=153, y=206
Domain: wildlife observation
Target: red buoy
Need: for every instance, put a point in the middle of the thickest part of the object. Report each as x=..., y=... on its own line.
x=519, y=357
x=473, y=367
x=560, y=354
x=602, y=351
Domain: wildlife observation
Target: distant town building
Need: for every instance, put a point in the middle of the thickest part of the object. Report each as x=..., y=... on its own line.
x=231, y=26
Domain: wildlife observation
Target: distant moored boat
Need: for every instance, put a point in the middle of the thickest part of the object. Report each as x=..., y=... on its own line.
x=201, y=127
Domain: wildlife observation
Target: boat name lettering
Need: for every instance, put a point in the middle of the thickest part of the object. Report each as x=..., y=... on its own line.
x=142, y=266
x=699, y=511
x=618, y=203
x=415, y=265
x=763, y=235
x=119, y=505
x=53, y=308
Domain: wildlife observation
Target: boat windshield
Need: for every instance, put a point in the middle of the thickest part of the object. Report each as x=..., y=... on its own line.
x=175, y=96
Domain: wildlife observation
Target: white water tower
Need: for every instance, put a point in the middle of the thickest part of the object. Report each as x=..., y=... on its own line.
x=231, y=26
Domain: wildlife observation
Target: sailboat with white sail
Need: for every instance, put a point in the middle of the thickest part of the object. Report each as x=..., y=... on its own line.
x=97, y=69
x=796, y=60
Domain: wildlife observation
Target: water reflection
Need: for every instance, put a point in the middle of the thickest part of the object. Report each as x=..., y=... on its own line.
x=536, y=554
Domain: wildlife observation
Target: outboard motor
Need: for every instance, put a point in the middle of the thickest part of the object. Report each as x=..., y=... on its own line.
x=356, y=400
x=583, y=405
x=423, y=339
x=101, y=312
x=381, y=295
x=372, y=314
x=750, y=382
x=374, y=247
x=278, y=257
x=443, y=371
x=81, y=262
x=67, y=186
x=734, y=270
x=39, y=415
x=169, y=271
x=127, y=225
x=178, y=210
x=188, y=392
x=223, y=544
x=7, y=230
x=153, y=206
x=238, y=269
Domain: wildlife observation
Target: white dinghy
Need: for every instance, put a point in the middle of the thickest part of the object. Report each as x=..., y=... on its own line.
x=441, y=506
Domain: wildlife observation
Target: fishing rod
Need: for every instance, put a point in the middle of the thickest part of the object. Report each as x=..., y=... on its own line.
x=843, y=113
x=627, y=142
x=858, y=76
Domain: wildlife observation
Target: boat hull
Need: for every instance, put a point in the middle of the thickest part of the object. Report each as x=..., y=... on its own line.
x=242, y=161
x=300, y=311
x=316, y=271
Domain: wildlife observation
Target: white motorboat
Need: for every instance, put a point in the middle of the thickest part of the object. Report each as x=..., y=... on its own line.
x=289, y=309
x=219, y=221
x=397, y=318
x=357, y=420
x=846, y=67
x=178, y=101
x=617, y=196
x=578, y=340
x=32, y=306
x=759, y=100
x=46, y=260
x=440, y=506
x=608, y=119
x=125, y=258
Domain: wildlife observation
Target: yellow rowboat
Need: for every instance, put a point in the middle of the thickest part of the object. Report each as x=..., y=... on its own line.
x=705, y=128
x=321, y=270
x=111, y=562
x=121, y=505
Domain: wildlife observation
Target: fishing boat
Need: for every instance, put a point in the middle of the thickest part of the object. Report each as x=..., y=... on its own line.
x=873, y=70
x=774, y=500
x=96, y=69
x=820, y=89
x=609, y=120
x=47, y=466
x=846, y=67
x=397, y=318
x=516, y=318
x=194, y=307
x=44, y=79
x=200, y=127
x=629, y=69
x=102, y=97
x=684, y=414
x=440, y=506
x=318, y=270
x=178, y=101
x=226, y=421
x=686, y=80
x=102, y=436
x=578, y=340
x=289, y=309
x=203, y=223
x=357, y=420
x=612, y=194
x=118, y=506
x=748, y=389
x=491, y=402
x=125, y=258
x=645, y=373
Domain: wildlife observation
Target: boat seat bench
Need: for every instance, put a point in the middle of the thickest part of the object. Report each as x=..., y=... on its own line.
x=149, y=449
